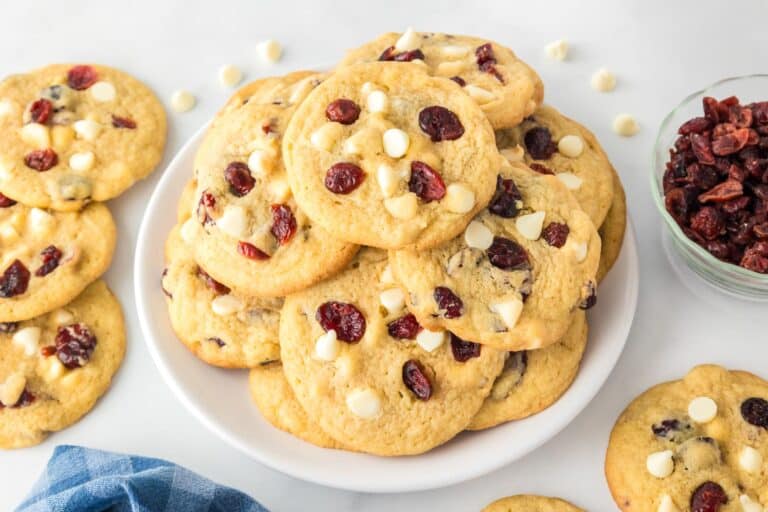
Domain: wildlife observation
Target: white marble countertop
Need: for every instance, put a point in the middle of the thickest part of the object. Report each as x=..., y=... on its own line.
x=660, y=51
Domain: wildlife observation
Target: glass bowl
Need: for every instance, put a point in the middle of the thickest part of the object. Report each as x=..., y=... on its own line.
x=726, y=277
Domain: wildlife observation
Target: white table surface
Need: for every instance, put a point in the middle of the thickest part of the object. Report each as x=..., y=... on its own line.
x=660, y=50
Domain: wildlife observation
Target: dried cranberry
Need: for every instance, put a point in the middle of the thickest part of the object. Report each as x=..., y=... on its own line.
x=708, y=497
x=8, y=327
x=426, y=182
x=538, y=141
x=251, y=252
x=462, y=350
x=51, y=257
x=459, y=80
x=123, y=122
x=238, y=175
x=679, y=201
x=729, y=189
x=344, y=318
x=695, y=125
x=708, y=223
x=81, y=77
x=210, y=282
x=731, y=142
x=342, y=111
x=541, y=169
x=390, y=55
x=448, y=303
x=205, y=206
x=486, y=61
x=416, y=380
x=6, y=202
x=14, y=280
x=218, y=341
x=590, y=297
x=507, y=254
x=40, y=111
x=48, y=351
x=702, y=148
x=343, y=178
x=703, y=176
x=283, y=223
x=755, y=411
x=404, y=328
x=504, y=201
x=440, y=123
x=41, y=159
x=25, y=399
x=756, y=258
x=74, y=345
x=668, y=428
x=555, y=234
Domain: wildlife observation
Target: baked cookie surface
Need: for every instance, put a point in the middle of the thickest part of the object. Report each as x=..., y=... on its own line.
x=286, y=91
x=612, y=230
x=530, y=503
x=70, y=134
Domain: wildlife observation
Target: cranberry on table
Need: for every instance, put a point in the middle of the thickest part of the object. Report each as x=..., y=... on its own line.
x=426, y=182
x=342, y=111
x=348, y=322
x=416, y=380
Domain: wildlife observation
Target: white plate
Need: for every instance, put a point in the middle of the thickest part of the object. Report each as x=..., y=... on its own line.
x=220, y=398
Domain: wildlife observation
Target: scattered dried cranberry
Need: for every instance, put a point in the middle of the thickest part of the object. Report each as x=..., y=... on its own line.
x=464, y=350
x=343, y=178
x=390, y=55
x=74, y=345
x=14, y=280
x=708, y=497
x=205, y=206
x=6, y=202
x=210, y=282
x=41, y=159
x=541, y=169
x=416, y=380
x=486, y=61
x=81, y=77
x=51, y=257
x=538, y=141
x=448, y=303
x=283, y=223
x=504, y=201
x=8, y=327
x=238, y=175
x=123, y=122
x=440, y=123
x=507, y=254
x=342, y=111
x=555, y=234
x=426, y=182
x=344, y=318
x=251, y=252
x=404, y=328
x=755, y=411
x=459, y=80
x=40, y=111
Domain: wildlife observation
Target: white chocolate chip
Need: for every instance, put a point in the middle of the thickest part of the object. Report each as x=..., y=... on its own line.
x=40, y=222
x=480, y=95
x=103, y=91
x=52, y=369
x=570, y=180
x=367, y=88
x=557, y=50
x=509, y=311
x=62, y=317
x=660, y=464
x=666, y=504
x=224, y=305
x=603, y=80
x=388, y=179
x=279, y=190
x=386, y=276
x=28, y=338
x=750, y=460
x=8, y=233
x=36, y=135
x=377, y=101
x=326, y=136
x=187, y=231
x=430, y=340
x=458, y=198
x=12, y=388
x=82, y=162
x=393, y=300
x=450, y=68
x=515, y=154
x=269, y=51
x=6, y=107
x=454, y=52
x=182, y=101
x=530, y=225
x=750, y=505
x=230, y=75
x=402, y=207
x=396, y=142
x=87, y=129
x=571, y=146
x=233, y=221
x=364, y=403
x=625, y=125
x=478, y=236
x=579, y=250
x=261, y=161
x=327, y=346
x=410, y=40
x=702, y=409
x=355, y=143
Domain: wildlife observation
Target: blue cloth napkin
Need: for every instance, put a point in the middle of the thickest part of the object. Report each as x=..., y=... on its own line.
x=82, y=479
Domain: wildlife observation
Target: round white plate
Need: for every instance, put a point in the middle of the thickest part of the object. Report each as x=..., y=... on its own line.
x=221, y=401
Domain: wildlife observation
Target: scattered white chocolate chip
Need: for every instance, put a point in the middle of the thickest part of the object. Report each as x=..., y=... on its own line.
x=396, y=142
x=327, y=346
x=233, y=221
x=570, y=180
x=87, y=129
x=261, y=161
x=12, y=388
x=509, y=311
x=750, y=460
x=702, y=409
x=6, y=107
x=478, y=236
x=269, y=51
x=458, y=198
x=557, y=50
x=187, y=231
x=82, y=161
x=660, y=464
x=62, y=317
x=430, y=340
x=182, y=101
x=579, y=250
x=480, y=95
x=393, y=300
x=326, y=136
x=666, y=504
x=364, y=403
x=224, y=305
x=402, y=207
x=625, y=125
x=603, y=80
x=279, y=190
x=750, y=505
x=103, y=91
x=410, y=40
x=515, y=154
x=230, y=75
x=386, y=276
x=571, y=146
x=377, y=101
x=36, y=134
x=530, y=225
x=28, y=338
x=40, y=222
x=454, y=51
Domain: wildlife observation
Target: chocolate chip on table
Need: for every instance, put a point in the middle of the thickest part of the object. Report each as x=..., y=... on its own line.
x=448, y=303
x=416, y=380
x=74, y=345
x=348, y=322
x=343, y=177
x=755, y=411
x=283, y=223
x=238, y=175
x=342, y=111
x=463, y=350
x=14, y=280
x=440, y=123
x=708, y=497
x=426, y=182
x=404, y=328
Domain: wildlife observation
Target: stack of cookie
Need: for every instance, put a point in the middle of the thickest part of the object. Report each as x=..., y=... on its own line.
x=400, y=249
x=70, y=136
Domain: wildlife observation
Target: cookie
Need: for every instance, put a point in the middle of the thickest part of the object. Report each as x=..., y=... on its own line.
x=552, y=143
x=612, y=230
x=515, y=276
x=70, y=134
x=530, y=503
x=54, y=367
x=287, y=91
x=186, y=202
x=277, y=403
x=370, y=377
x=387, y=156
x=49, y=257
x=699, y=443
x=248, y=232
x=503, y=86
x=533, y=380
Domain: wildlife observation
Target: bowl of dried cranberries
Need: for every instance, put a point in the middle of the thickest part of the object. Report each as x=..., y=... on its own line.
x=710, y=182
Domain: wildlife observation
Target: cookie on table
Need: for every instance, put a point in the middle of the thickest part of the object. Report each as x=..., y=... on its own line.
x=70, y=134
x=700, y=443
x=276, y=401
x=54, y=367
x=533, y=380
x=388, y=156
x=530, y=503
x=612, y=230
x=503, y=86
x=247, y=231
x=370, y=377
x=49, y=257
x=552, y=143
x=515, y=276
x=287, y=91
